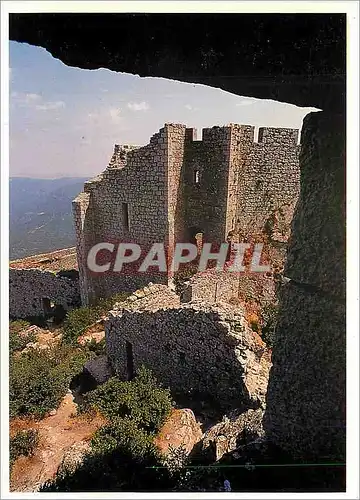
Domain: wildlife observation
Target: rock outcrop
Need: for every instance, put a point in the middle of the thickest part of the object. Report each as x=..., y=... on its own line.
x=180, y=430
x=306, y=397
x=234, y=431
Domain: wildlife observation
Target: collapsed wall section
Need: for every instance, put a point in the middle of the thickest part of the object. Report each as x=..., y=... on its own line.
x=36, y=292
x=84, y=241
x=216, y=286
x=196, y=349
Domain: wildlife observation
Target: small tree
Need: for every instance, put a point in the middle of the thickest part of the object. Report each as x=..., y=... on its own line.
x=142, y=400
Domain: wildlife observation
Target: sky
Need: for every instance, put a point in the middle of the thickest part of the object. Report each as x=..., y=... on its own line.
x=65, y=121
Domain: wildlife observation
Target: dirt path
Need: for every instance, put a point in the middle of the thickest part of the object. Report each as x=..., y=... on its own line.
x=58, y=434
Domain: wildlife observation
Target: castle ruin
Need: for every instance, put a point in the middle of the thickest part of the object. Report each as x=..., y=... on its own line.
x=225, y=186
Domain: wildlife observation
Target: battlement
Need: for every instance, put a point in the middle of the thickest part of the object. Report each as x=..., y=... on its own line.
x=269, y=135
x=266, y=135
x=177, y=186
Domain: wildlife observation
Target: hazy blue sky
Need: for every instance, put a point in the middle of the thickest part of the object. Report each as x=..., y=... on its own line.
x=65, y=121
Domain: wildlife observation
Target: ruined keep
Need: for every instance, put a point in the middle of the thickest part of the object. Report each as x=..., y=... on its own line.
x=227, y=185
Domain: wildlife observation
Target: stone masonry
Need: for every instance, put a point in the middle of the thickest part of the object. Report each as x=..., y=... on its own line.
x=224, y=186
x=39, y=284
x=202, y=349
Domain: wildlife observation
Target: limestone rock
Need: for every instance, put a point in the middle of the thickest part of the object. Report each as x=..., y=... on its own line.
x=316, y=254
x=180, y=429
x=74, y=455
x=306, y=402
x=227, y=435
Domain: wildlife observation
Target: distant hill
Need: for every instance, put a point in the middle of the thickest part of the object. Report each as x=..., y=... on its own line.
x=41, y=214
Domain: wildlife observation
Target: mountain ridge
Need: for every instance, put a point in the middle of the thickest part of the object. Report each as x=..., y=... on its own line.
x=40, y=214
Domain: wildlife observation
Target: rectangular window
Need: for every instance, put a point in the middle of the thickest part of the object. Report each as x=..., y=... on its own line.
x=125, y=214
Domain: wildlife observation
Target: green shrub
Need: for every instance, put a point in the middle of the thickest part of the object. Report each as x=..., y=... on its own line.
x=18, y=342
x=141, y=400
x=23, y=443
x=98, y=348
x=125, y=435
x=269, y=318
x=122, y=458
x=40, y=378
x=78, y=320
x=18, y=325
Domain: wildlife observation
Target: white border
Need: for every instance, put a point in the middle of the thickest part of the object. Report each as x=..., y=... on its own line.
x=352, y=10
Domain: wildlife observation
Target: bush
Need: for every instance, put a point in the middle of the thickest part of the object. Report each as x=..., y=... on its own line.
x=23, y=443
x=18, y=325
x=125, y=435
x=122, y=458
x=78, y=320
x=40, y=378
x=269, y=315
x=141, y=400
x=18, y=342
x=98, y=348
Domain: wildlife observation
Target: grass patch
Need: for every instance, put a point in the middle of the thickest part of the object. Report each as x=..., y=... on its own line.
x=78, y=320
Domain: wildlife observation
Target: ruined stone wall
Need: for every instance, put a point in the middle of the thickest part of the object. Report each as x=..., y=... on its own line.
x=206, y=200
x=141, y=184
x=211, y=286
x=175, y=195
x=241, y=142
x=269, y=181
x=83, y=231
x=242, y=183
x=28, y=288
x=177, y=186
x=193, y=348
x=214, y=286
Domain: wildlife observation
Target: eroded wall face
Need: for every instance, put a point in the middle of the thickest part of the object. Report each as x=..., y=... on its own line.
x=206, y=170
x=245, y=187
x=193, y=349
x=175, y=193
x=306, y=396
x=176, y=187
x=268, y=181
x=29, y=287
x=127, y=203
